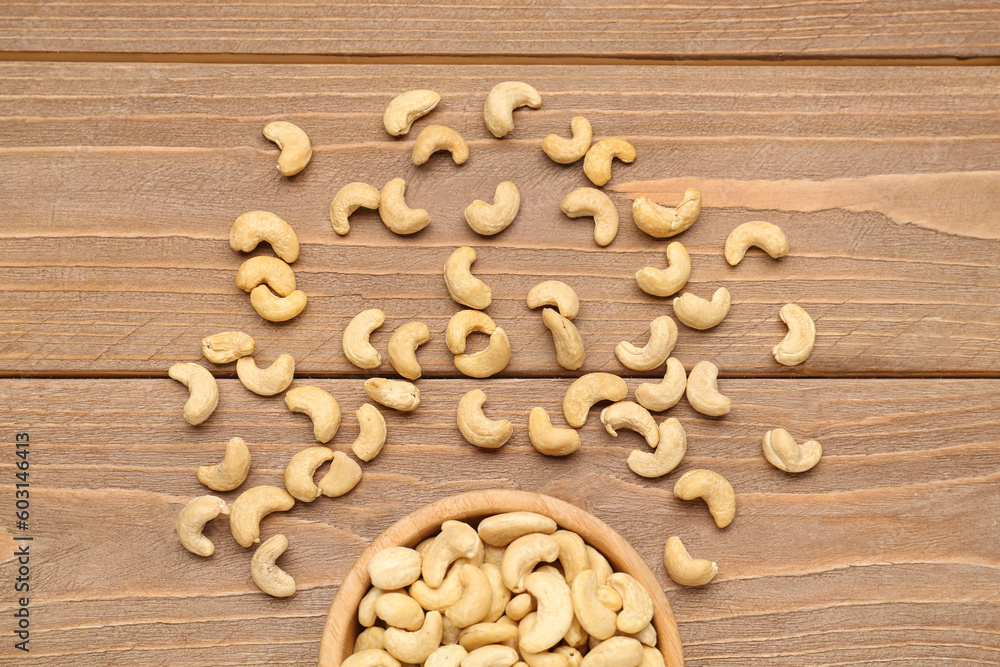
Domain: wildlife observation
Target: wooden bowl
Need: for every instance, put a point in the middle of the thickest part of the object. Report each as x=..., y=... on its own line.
x=342, y=625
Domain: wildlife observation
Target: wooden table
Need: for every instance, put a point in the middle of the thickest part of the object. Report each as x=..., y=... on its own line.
x=131, y=139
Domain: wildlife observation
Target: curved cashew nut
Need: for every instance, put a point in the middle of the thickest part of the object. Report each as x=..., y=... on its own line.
x=456, y=540
x=520, y=606
x=399, y=610
x=614, y=652
x=716, y=491
x=490, y=219
x=406, y=108
x=448, y=655
x=300, y=470
x=225, y=347
x=231, y=471
x=486, y=362
x=475, y=426
x=626, y=414
x=665, y=394
x=548, y=439
x=349, y=199
x=541, y=658
x=664, y=282
x=685, y=570
x=464, y=287
x=600, y=565
x=494, y=655
x=587, y=390
x=637, y=605
x=369, y=442
x=662, y=339
x=192, y=519
x=394, y=568
x=501, y=102
x=203, y=396
x=652, y=658
x=266, y=381
x=369, y=638
x=662, y=222
x=296, y=150
x=477, y=596
x=609, y=597
x=573, y=555
x=597, y=161
x=798, y=343
x=442, y=597
x=554, y=615
x=462, y=324
x=414, y=647
x=396, y=394
x=646, y=636
x=522, y=555
x=403, y=346
x=485, y=634
x=269, y=577
x=435, y=138
x=500, y=598
x=596, y=619
x=765, y=235
x=277, y=309
x=590, y=202
x=397, y=216
x=500, y=530
x=343, y=475
x=703, y=390
x=570, y=651
x=555, y=293
x=566, y=338
x=251, y=507
x=698, y=313
x=373, y=657
x=266, y=269
x=321, y=407
x=366, y=607
x=357, y=348
x=781, y=451
x=566, y=151
x=255, y=226
x=668, y=455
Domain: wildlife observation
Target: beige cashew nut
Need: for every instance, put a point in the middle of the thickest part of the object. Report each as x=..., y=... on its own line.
x=668, y=454
x=192, y=519
x=626, y=414
x=637, y=605
x=596, y=619
x=414, y=647
x=701, y=314
x=597, y=161
x=300, y=470
x=369, y=638
x=714, y=489
x=522, y=555
x=555, y=293
x=500, y=596
x=403, y=346
x=664, y=282
x=404, y=109
x=320, y=406
x=703, y=390
x=662, y=222
x=269, y=577
x=554, y=615
x=373, y=431
x=226, y=347
x=477, y=597
x=266, y=381
x=798, y=343
x=520, y=606
x=465, y=288
x=463, y=323
x=366, y=607
x=566, y=338
x=435, y=138
x=498, y=111
x=448, y=655
x=399, y=610
x=573, y=554
x=229, y=473
x=349, y=199
x=485, y=634
x=500, y=530
x=567, y=151
x=781, y=451
x=614, y=652
x=394, y=568
x=456, y=540
x=255, y=226
x=548, y=439
x=277, y=308
x=486, y=362
x=600, y=565
x=373, y=657
x=442, y=597
x=685, y=570
x=397, y=216
x=251, y=507
x=587, y=390
x=203, y=391
x=541, y=658
x=355, y=340
x=665, y=394
x=296, y=150
x=266, y=269
x=591, y=202
x=396, y=394
x=662, y=339
x=765, y=235
x=489, y=219
x=343, y=475
x=476, y=427
x=494, y=655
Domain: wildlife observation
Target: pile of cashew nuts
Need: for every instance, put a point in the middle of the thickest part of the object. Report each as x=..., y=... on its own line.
x=275, y=296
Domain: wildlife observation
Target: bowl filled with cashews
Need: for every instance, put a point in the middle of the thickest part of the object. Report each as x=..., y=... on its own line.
x=497, y=578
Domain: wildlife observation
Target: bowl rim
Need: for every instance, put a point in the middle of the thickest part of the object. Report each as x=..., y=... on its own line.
x=339, y=627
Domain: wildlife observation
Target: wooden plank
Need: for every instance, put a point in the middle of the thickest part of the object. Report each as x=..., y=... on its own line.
x=121, y=182
x=885, y=552
x=588, y=29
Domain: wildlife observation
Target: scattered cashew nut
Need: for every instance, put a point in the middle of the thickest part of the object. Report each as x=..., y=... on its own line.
x=464, y=287
x=685, y=570
x=597, y=161
x=665, y=394
x=266, y=381
x=501, y=102
x=662, y=339
x=486, y=362
x=269, y=577
x=456, y=540
x=296, y=150
x=662, y=222
x=396, y=394
x=475, y=426
x=397, y=216
x=587, y=390
x=765, y=235
x=554, y=615
x=522, y=555
x=548, y=439
x=406, y=108
x=403, y=346
x=343, y=475
x=664, y=282
x=798, y=343
x=462, y=324
x=229, y=473
x=357, y=348
x=668, y=455
x=566, y=338
x=703, y=390
x=781, y=451
x=274, y=308
x=435, y=138
x=203, y=396
x=716, y=491
x=300, y=470
x=592, y=202
x=255, y=226
x=225, y=347
x=373, y=431
x=555, y=293
x=500, y=530
x=567, y=151
x=349, y=199
x=252, y=506
x=626, y=414
x=321, y=407
x=637, y=604
x=414, y=647
x=192, y=519
x=266, y=269
x=596, y=619
x=699, y=313
x=490, y=219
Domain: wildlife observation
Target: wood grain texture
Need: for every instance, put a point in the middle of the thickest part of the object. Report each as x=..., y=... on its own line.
x=885, y=553
x=588, y=28
x=121, y=182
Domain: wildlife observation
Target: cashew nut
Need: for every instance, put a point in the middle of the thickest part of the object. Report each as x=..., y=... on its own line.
x=274, y=308
x=670, y=451
x=609, y=597
x=548, y=439
x=456, y=540
x=192, y=519
x=500, y=597
x=652, y=658
x=349, y=199
x=462, y=324
x=449, y=633
x=626, y=414
x=477, y=596
x=373, y=657
x=520, y=606
x=576, y=636
x=255, y=226
x=474, y=425
x=493, y=655
x=300, y=470
x=396, y=394
x=321, y=407
x=203, y=396
x=566, y=337
x=554, y=615
x=372, y=437
x=555, y=293
x=500, y=530
x=646, y=636
x=573, y=555
x=399, y=610
x=442, y=597
x=343, y=475
x=406, y=108
x=592, y=202
x=490, y=219
x=765, y=235
x=222, y=348
x=541, y=658
x=716, y=491
x=685, y=570
x=501, y=102
x=587, y=390
x=484, y=634
x=396, y=215
x=369, y=638
x=448, y=655
x=698, y=313
x=597, y=161
x=266, y=381
x=662, y=338
x=251, y=507
x=596, y=619
x=664, y=282
x=486, y=362
x=522, y=555
x=394, y=567
x=269, y=577
x=464, y=287
x=662, y=222
x=296, y=150
x=600, y=565
x=637, y=605
x=663, y=395
x=798, y=343
x=781, y=451
x=403, y=346
x=566, y=151
x=703, y=390
x=231, y=471
x=435, y=138
x=492, y=554
x=357, y=348
x=414, y=647
x=366, y=607
x=571, y=652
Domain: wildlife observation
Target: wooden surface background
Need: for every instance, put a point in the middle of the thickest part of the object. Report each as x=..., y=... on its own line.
x=120, y=181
